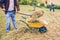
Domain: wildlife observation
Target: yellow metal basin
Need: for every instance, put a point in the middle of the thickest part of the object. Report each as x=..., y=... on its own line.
x=35, y=25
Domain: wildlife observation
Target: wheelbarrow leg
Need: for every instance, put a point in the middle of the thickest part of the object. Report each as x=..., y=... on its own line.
x=26, y=25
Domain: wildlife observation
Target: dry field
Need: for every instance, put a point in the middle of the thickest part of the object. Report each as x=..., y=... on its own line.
x=53, y=33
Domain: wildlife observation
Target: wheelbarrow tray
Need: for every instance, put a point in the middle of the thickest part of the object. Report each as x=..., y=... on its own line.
x=35, y=25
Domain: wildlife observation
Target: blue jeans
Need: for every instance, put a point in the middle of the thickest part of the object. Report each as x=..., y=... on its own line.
x=52, y=9
x=10, y=15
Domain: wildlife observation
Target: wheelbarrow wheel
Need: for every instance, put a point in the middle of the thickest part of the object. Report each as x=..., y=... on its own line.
x=43, y=29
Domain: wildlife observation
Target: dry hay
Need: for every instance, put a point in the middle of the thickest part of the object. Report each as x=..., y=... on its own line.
x=24, y=34
x=37, y=14
x=15, y=34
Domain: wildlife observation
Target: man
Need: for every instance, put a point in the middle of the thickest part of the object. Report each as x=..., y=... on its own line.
x=52, y=7
x=10, y=6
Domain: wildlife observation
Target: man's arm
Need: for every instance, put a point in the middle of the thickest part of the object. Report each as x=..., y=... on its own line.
x=3, y=5
x=17, y=5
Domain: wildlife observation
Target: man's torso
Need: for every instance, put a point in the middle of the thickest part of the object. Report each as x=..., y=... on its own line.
x=11, y=5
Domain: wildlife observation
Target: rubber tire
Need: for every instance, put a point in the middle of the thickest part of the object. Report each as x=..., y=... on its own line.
x=43, y=29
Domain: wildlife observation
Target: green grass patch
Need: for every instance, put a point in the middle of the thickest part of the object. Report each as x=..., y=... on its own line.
x=56, y=6
x=0, y=35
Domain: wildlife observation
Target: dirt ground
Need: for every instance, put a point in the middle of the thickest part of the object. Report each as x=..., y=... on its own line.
x=53, y=33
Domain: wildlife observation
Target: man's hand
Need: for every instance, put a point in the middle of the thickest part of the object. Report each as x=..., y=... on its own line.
x=3, y=9
x=18, y=12
x=45, y=22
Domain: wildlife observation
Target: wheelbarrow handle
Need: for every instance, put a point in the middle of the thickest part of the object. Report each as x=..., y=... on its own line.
x=25, y=14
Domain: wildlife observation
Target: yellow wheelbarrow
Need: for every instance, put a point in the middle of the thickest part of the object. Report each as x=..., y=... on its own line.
x=38, y=26
x=41, y=27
